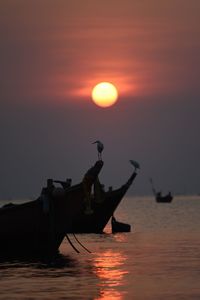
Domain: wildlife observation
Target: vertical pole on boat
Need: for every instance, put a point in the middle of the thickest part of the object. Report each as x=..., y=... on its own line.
x=153, y=188
x=52, y=225
x=51, y=216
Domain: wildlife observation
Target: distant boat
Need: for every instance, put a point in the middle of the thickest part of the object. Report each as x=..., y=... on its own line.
x=119, y=226
x=165, y=199
x=37, y=228
x=159, y=197
x=103, y=205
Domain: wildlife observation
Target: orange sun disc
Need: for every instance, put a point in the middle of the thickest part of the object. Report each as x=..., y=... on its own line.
x=104, y=94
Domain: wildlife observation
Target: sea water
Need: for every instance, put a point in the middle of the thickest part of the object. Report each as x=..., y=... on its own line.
x=158, y=259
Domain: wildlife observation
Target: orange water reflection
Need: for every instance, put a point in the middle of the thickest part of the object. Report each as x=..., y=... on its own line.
x=110, y=295
x=109, y=266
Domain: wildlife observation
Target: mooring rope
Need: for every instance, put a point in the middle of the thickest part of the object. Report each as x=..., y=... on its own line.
x=71, y=244
x=81, y=244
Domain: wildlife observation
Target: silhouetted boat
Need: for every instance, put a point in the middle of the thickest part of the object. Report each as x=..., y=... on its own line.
x=37, y=228
x=165, y=199
x=103, y=204
x=158, y=196
x=119, y=226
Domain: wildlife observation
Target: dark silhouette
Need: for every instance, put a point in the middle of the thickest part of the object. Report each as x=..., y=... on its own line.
x=48, y=190
x=100, y=148
x=65, y=184
x=119, y=226
x=37, y=228
x=159, y=197
x=103, y=204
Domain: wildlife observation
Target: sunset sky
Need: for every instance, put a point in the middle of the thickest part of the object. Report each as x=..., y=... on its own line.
x=53, y=52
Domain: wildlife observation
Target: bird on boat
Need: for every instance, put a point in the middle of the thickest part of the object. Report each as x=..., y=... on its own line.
x=100, y=148
x=135, y=164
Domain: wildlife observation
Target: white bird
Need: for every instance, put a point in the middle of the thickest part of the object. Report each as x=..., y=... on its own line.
x=100, y=148
x=135, y=164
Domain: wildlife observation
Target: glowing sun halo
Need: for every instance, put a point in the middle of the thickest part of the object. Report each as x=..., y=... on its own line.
x=104, y=94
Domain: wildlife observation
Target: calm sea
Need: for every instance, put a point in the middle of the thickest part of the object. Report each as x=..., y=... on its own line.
x=158, y=259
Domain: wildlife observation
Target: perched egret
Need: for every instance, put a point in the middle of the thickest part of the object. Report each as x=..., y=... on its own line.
x=135, y=164
x=100, y=148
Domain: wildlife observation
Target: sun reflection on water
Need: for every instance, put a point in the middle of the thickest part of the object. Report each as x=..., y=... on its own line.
x=108, y=266
x=110, y=295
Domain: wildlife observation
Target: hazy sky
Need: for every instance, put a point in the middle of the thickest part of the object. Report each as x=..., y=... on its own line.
x=52, y=53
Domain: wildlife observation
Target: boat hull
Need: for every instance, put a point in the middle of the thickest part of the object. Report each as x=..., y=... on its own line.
x=164, y=199
x=102, y=210
x=28, y=229
x=120, y=227
x=37, y=228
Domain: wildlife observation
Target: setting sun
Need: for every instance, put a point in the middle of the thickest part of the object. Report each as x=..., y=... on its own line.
x=104, y=94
